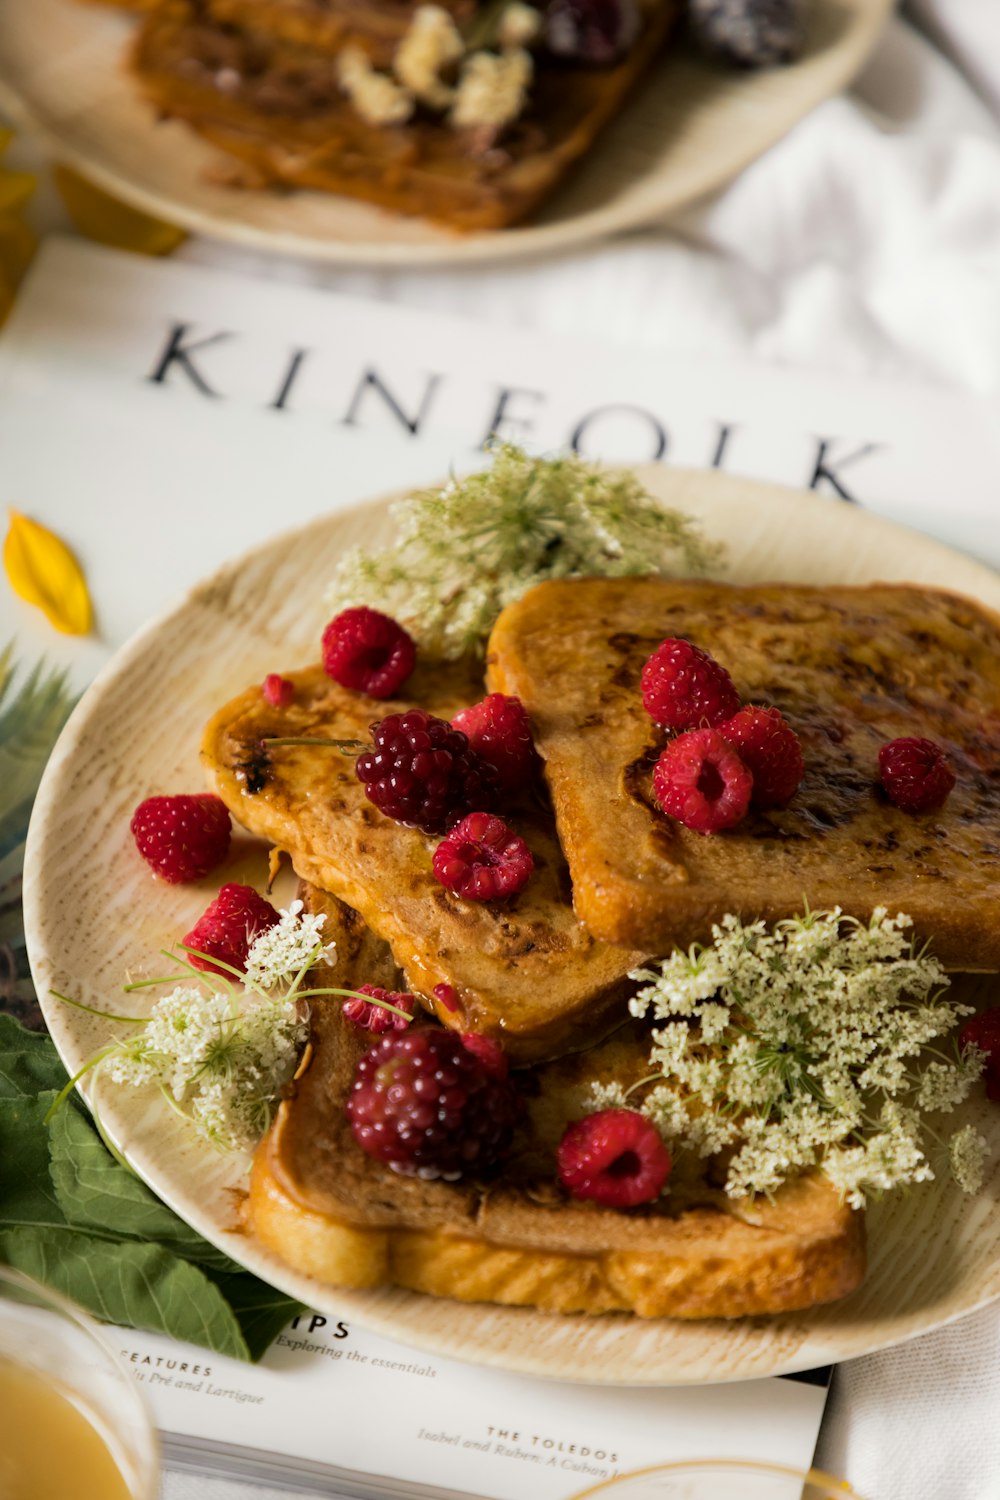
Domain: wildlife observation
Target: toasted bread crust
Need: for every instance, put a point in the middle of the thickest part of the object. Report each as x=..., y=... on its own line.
x=523, y=969
x=850, y=668
x=320, y=1203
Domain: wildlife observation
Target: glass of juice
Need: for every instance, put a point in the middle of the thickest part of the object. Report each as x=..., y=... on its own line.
x=74, y=1421
x=721, y=1479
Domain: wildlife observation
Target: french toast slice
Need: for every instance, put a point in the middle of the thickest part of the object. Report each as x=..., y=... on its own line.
x=277, y=107
x=324, y=1206
x=524, y=969
x=851, y=668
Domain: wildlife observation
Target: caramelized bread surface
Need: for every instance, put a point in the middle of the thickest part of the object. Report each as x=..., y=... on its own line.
x=850, y=668
x=331, y=24
x=278, y=108
x=523, y=969
x=318, y=1201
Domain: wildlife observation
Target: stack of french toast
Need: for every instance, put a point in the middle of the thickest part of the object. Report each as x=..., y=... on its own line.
x=545, y=972
x=468, y=112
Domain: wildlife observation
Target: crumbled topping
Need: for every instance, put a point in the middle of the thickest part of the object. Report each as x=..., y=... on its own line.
x=376, y=97
x=492, y=89
x=432, y=41
x=519, y=25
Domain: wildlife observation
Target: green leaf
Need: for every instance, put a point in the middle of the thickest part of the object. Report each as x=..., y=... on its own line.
x=26, y=1193
x=28, y=1061
x=79, y=1221
x=263, y=1311
x=141, y=1286
x=96, y=1192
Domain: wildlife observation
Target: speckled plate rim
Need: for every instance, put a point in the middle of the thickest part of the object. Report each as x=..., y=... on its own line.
x=704, y=154
x=784, y=535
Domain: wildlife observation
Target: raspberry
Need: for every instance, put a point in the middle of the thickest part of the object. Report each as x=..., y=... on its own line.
x=916, y=774
x=683, y=687
x=499, y=732
x=615, y=1157
x=425, y=1105
x=702, y=782
x=769, y=747
x=227, y=927
x=983, y=1031
x=482, y=859
x=368, y=652
x=182, y=837
x=279, y=691
x=375, y=1018
x=488, y=1050
x=422, y=772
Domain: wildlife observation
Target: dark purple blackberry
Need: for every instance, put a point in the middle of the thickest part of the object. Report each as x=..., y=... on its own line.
x=591, y=31
x=426, y=1106
x=748, y=33
x=422, y=772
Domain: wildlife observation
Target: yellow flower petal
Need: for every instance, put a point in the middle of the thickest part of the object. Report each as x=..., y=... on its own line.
x=43, y=571
x=103, y=218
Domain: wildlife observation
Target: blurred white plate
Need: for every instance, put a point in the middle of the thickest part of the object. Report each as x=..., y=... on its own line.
x=690, y=128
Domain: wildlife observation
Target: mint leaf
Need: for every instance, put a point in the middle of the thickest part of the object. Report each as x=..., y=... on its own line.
x=141, y=1286
x=96, y=1192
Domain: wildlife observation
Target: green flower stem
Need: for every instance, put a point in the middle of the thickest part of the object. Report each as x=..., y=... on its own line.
x=108, y=1015
x=89, y=1065
x=355, y=995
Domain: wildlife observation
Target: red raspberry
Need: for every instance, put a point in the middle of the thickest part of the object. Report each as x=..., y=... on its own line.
x=368, y=652
x=499, y=732
x=182, y=837
x=702, y=782
x=683, y=687
x=423, y=1104
x=422, y=772
x=983, y=1031
x=916, y=774
x=375, y=1018
x=227, y=927
x=769, y=747
x=482, y=859
x=489, y=1051
x=279, y=691
x=615, y=1157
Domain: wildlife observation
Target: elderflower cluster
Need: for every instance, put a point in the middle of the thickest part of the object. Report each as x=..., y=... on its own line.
x=464, y=552
x=221, y=1056
x=818, y=1043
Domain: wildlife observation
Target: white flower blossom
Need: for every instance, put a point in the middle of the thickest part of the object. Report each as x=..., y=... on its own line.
x=968, y=1152
x=277, y=955
x=802, y=1047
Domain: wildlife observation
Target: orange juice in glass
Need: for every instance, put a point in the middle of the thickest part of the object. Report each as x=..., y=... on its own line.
x=72, y=1420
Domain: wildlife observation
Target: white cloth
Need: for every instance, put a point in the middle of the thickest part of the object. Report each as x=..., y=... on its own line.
x=867, y=240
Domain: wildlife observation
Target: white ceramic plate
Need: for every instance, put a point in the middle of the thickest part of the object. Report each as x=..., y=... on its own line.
x=93, y=913
x=690, y=128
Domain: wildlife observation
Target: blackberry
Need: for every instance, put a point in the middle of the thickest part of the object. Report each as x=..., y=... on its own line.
x=426, y=1106
x=422, y=772
x=748, y=33
x=591, y=31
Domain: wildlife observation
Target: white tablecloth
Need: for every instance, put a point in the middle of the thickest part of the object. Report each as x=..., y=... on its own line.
x=868, y=240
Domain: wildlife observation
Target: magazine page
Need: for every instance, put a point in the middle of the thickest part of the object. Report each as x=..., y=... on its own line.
x=334, y=1408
